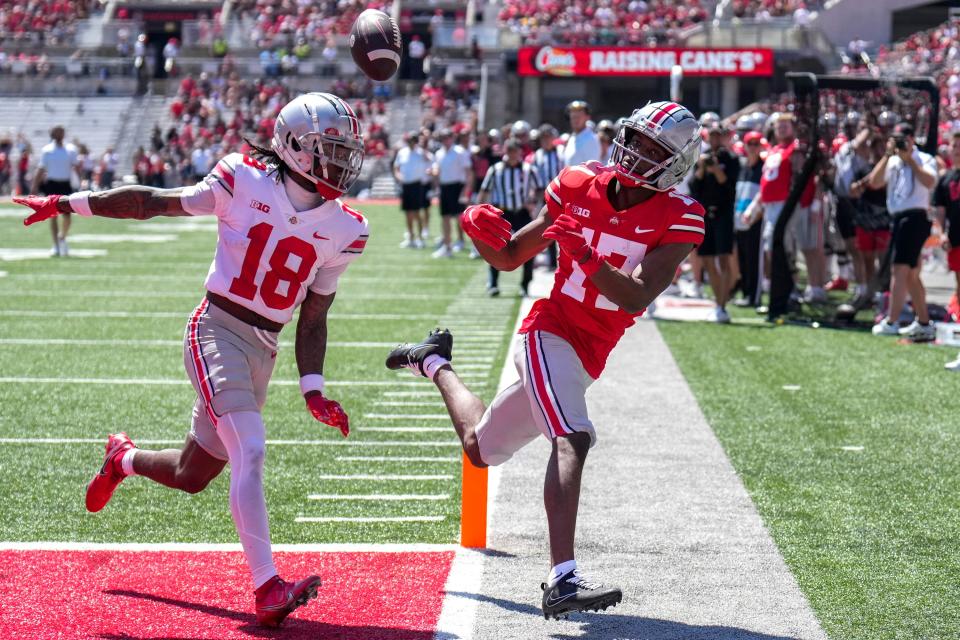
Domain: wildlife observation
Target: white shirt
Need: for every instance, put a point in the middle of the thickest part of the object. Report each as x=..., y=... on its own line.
x=416, y=49
x=200, y=159
x=110, y=161
x=258, y=223
x=904, y=191
x=58, y=161
x=412, y=163
x=452, y=164
x=580, y=148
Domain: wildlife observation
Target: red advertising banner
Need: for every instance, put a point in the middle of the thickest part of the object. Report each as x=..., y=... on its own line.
x=630, y=61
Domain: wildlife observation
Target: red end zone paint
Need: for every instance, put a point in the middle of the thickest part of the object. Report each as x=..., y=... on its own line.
x=208, y=595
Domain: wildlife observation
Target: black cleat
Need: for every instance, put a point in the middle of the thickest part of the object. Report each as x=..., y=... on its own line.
x=575, y=593
x=411, y=356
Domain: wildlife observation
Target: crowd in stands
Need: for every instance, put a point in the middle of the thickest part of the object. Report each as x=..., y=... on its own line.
x=606, y=22
x=801, y=11
x=286, y=24
x=51, y=22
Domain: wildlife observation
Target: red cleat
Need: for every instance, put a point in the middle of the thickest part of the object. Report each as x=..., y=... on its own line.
x=277, y=599
x=837, y=284
x=102, y=486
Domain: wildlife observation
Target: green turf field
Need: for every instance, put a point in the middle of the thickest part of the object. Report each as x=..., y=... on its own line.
x=120, y=317
x=871, y=534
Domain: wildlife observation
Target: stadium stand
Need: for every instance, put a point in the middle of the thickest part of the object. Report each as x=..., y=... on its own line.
x=285, y=23
x=91, y=121
x=42, y=21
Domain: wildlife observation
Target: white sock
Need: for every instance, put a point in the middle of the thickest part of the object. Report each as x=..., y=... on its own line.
x=244, y=436
x=560, y=570
x=126, y=463
x=432, y=364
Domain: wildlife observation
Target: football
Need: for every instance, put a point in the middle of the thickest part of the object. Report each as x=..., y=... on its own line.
x=375, y=44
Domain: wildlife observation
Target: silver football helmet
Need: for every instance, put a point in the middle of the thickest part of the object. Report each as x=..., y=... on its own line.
x=317, y=135
x=674, y=129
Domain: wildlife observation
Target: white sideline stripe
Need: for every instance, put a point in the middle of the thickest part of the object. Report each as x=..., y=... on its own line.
x=407, y=416
x=395, y=497
x=29, y=313
x=157, y=343
x=201, y=547
x=407, y=429
x=274, y=443
x=368, y=519
x=396, y=459
x=176, y=382
x=384, y=478
x=404, y=403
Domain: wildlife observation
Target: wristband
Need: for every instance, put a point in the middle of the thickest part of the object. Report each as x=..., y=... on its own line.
x=311, y=382
x=80, y=203
x=592, y=264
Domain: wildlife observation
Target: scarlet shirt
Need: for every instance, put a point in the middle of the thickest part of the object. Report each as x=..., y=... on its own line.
x=778, y=175
x=576, y=310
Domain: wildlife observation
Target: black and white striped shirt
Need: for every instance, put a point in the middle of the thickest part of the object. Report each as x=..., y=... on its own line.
x=510, y=187
x=547, y=165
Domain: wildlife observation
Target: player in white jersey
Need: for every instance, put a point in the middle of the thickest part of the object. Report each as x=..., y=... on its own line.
x=284, y=239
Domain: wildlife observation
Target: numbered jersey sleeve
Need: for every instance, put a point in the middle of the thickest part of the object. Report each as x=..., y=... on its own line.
x=328, y=275
x=684, y=221
x=212, y=196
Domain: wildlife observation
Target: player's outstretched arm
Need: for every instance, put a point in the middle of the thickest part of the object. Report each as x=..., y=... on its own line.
x=311, y=348
x=496, y=242
x=632, y=292
x=133, y=202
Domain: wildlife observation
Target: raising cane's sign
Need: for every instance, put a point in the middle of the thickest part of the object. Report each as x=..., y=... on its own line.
x=629, y=61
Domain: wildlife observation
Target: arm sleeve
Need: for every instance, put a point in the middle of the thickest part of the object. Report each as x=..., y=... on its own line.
x=552, y=195
x=328, y=275
x=684, y=222
x=212, y=196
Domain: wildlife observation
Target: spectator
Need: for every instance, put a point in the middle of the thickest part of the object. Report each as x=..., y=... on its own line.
x=511, y=185
x=6, y=162
x=84, y=166
x=108, y=168
x=416, y=51
x=170, y=52
x=910, y=176
x=747, y=230
x=714, y=186
x=58, y=161
x=548, y=164
x=582, y=145
x=946, y=198
x=409, y=166
x=427, y=190
x=23, y=167
x=200, y=161
x=605, y=135
x=453, y=171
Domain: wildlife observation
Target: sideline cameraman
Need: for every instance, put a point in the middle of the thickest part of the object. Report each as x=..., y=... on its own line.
x=910, y=176
x=714, y=186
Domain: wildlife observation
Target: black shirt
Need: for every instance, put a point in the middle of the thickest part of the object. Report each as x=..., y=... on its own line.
x=718, y=198
x=947, y=195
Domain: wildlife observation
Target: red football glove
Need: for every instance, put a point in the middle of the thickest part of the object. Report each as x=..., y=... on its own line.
x=568, y=233
x=328, y=412
x=44, y=207
x=485, y=223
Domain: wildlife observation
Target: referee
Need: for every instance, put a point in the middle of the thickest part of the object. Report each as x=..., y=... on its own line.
x=511, y=185
x=57, y=162
x=548, y=163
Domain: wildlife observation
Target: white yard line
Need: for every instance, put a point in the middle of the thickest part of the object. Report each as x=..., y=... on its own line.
x=380, y=477
x=177, y=382
x=398, y=459
x=206, y=547
x=170, y=277
x=406, y=429
x=372, y=519
x=347, y=442
x=148, y=294
x=380, y=497
x=30, y=313
x=404, y=403
x=412, y=394
x=407, y=416
x=41, y=342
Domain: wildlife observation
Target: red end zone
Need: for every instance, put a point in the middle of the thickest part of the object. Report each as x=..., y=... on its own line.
x=208, y=595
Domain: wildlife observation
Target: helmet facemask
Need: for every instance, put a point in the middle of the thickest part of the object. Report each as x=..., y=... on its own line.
x=637, y=157
x=334, y=162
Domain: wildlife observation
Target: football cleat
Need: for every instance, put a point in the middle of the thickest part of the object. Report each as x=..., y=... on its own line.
x=411, y=356
x=573, y=592
x=101, y=488
x=276, y=599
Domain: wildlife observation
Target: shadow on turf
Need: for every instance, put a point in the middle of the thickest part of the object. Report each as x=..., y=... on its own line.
x=293, y=627
x=610, y=626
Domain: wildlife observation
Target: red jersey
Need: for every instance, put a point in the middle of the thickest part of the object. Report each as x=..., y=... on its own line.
x=576, y=310
x=778, y=174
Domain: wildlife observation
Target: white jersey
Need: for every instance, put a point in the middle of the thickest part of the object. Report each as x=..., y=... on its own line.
x=268, y=254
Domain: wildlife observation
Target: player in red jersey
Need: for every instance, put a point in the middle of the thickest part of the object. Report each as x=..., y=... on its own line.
x=623, y=230
x=284, y=239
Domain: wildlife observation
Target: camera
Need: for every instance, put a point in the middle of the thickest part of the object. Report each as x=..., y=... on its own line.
x=709, y=160
x=900, y=142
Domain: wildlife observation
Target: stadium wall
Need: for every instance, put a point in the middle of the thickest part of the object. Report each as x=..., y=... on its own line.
x=874, y=20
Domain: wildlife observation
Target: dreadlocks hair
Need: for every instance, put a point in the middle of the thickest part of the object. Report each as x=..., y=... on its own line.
x=269, y=157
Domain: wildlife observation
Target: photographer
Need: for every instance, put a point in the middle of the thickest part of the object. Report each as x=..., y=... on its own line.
x=714, y=186
x=910, y=176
